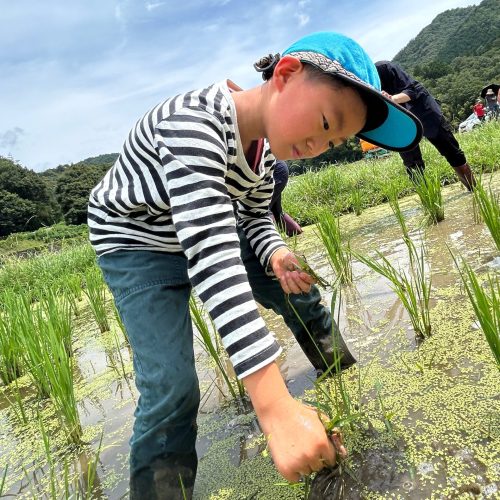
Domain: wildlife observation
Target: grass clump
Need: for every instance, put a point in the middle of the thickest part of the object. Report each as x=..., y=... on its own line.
x=428, y=188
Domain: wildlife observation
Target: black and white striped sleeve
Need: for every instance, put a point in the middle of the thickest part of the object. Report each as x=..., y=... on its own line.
x=255, y=219
x=193, y=151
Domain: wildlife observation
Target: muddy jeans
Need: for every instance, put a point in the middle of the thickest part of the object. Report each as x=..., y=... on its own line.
x=151, y=292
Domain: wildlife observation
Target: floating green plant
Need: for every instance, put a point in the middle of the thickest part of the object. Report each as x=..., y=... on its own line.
x=206, y=332
x=338, y=252
x=428, y=188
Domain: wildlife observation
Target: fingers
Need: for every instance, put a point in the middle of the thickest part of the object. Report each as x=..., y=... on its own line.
x=296, y=282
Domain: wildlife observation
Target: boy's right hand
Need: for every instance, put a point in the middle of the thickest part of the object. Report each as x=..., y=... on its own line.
x=296, y=437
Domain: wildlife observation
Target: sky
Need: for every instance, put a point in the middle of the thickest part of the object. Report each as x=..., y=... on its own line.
x=75, y=75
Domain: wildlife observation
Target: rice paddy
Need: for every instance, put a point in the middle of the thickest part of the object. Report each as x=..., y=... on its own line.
x=420, y=414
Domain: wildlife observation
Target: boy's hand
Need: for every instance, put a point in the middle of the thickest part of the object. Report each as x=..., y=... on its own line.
x=296, y=437
x=284, y=265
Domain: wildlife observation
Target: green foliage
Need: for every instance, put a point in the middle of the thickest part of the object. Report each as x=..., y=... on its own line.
x=456, y=56
x=25, y=201
x=73, y=189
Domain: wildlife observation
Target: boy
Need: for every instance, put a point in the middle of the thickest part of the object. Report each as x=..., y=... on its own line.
x=162, y=221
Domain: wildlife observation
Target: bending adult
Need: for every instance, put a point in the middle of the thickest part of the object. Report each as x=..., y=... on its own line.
x=404, y=90
x=283, y=220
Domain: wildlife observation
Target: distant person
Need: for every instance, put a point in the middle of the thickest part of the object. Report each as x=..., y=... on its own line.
x=284, y=222
x=479, y=109
x=492, y=102
x=403, y=89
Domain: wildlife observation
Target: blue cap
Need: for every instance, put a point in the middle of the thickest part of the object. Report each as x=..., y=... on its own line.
x=388, y=124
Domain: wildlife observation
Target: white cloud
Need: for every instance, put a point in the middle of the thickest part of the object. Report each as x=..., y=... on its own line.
x=75, y=80
x=153, y=5
x=303, y=19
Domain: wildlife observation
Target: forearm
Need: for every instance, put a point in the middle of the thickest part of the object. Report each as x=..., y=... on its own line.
x=265, y=387
x=401, y=98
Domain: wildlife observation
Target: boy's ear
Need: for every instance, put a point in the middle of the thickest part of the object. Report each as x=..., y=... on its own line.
x=287, y=67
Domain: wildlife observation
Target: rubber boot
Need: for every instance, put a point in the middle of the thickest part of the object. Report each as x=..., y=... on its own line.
x=169, y=478
x=327, y=352
x=466, y=176
x=318, y=334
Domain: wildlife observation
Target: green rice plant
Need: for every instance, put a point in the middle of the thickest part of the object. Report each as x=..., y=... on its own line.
x=485, y=299
x=413, y=287
x=338, y=253
x=58, y=368
x=4, y=477
x=489, y=208
x=338, y=408
x=207, y=333
x=57, y=311
x=10, y=343
x=428, y=188
x=357, y=201
x=120, y=324
x=95, y=290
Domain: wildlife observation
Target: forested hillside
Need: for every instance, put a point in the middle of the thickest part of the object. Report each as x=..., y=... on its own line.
x=456, y=56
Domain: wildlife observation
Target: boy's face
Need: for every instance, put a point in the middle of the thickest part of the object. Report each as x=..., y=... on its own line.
x=305, y=117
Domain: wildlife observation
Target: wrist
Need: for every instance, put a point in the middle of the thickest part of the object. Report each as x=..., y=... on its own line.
x=265, y=387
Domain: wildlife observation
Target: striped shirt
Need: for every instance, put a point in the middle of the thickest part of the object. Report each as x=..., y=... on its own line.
x=172, y=189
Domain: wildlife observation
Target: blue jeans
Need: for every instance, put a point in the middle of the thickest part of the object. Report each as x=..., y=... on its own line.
x=151, y=292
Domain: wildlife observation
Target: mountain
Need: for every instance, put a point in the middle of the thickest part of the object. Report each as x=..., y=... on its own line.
x=456, y=56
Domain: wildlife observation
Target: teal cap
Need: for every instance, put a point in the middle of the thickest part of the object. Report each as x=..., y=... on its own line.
x=388, y=124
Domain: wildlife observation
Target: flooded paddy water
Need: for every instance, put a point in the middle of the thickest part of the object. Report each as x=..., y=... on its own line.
x=430, y=410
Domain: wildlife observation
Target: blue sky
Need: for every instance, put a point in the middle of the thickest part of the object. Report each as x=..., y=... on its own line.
x=77, y=74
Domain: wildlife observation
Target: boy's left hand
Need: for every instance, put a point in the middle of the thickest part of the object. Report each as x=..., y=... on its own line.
x=284, y=265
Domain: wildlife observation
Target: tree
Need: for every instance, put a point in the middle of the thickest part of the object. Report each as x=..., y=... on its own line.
x=73, y=189
x=25, y=202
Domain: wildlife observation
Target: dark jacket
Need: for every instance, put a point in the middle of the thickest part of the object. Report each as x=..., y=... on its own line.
x=395, y=80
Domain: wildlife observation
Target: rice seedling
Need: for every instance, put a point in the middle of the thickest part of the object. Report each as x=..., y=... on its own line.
x=58, y=367
x=10, y=343
x=413, y=287
x=386, y=415
x=2, y=482
x=357, y=201
x=338, y=252
x=488, y=204
x=57, y=311
x=428, y=188
x=207, y=332
x=95, y=290
x=305, y=267
x=120, y=324
x=485, y=299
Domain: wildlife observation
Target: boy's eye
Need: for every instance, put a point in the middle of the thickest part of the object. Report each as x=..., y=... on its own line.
x=326, y=126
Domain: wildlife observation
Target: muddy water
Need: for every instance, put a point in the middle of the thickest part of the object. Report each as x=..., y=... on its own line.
x=441, y=397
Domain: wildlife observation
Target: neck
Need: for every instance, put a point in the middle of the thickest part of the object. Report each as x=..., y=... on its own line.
x=249, y=105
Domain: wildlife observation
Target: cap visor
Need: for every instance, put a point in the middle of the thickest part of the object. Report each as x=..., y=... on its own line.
x=397, y=129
